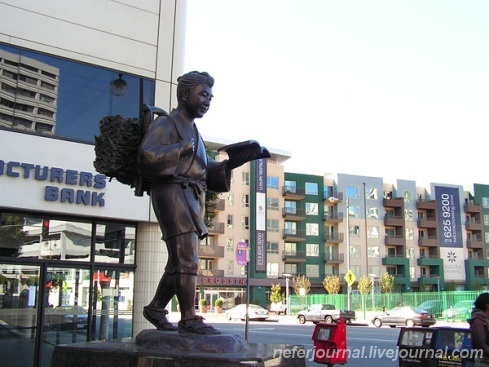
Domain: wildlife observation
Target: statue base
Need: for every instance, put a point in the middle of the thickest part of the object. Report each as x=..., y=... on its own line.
x=153, y=348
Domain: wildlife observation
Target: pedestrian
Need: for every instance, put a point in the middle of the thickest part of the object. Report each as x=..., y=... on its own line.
x=479, y=328
x=173, y=159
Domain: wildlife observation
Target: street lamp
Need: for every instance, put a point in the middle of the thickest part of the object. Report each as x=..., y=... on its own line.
x=287, y=276
x=332, y=199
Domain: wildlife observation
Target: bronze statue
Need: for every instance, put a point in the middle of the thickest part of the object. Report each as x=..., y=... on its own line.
x=173, y=159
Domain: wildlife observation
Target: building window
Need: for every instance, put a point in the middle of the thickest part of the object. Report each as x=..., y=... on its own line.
x=272, y=225
x=312, y=249
x=230, y=268
x=410, y=252
x=372, y=193
x=409, y=234
x=485, y=202
x=229, y=221
x=290, y=228
x=245, y=199
x=374, y=251
x=230, y=198
x=373, y=213
x=245, y=222
x=408, y=213
x=312, y=229
x=290, y=268
x=372, y=232
x=312, y=188
x=290, y=248
x=272, y=182
x=312, y=209
x=50, y=95
x=312, y=271
x=272, y=269
x=408, y=196
x=272, y=247
x=355, y=230
x=290, y=207
x=272, y=204
x=355, y=252
x=352, y=192
x=291, y=186
x=245, y=176
x=230, y=245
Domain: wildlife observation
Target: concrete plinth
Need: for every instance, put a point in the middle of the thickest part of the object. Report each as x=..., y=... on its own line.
x=152, y=348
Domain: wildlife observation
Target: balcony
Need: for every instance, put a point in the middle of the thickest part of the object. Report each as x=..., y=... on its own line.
x=211, y=273
x=334, y=237
x=220, y=205
x=211, y=251
x=429, y=241
x=294, y=236
x=427, y=223
x=426, y=204
x=333, y=217
x=334, y=258
x=473, y=224
x=473, y=208
x=430, y=260
x=395, y=240
x=294, y=256
x=475, y=243
x=431, y=279
x=395, y=259
x=216, y=228
x=291, y=193
x=393, y=203
x=328, y=194
x=293, y=214
x=396, y=221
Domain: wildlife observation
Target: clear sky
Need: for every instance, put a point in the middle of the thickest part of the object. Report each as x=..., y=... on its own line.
x=332, y=82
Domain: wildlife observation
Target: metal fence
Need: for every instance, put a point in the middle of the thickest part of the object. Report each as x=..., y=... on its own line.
x=363, y=303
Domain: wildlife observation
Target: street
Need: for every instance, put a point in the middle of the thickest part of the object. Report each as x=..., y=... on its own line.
x=366, y=345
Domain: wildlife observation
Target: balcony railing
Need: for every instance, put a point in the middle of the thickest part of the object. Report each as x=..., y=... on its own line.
x=293, y=213
x=216, y=227
x=333, y=237
x=295, y=236
x=211, y=273
x=294, y=256
x=333, y=217
x=211, y=251
x=334, y=258
x=293, y=193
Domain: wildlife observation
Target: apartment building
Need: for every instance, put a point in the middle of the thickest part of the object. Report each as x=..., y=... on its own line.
x=428, y=238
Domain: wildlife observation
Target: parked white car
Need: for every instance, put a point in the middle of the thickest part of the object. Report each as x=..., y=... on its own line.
x=255, y=312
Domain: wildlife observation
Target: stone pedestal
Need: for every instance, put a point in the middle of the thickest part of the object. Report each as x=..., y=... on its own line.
x=153, y=348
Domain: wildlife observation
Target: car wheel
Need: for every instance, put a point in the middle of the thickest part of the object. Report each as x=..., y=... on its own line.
x=377, y=322
x=328, y=319
x=409, y=323
x=229, y=317
x=302, y=320
x=392, y=326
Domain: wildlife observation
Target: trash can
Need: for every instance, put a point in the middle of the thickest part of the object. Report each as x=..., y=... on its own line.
x=330, y=343
x=434, y=347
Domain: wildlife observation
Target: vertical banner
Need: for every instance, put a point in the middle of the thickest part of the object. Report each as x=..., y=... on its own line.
x=450, y=232
x=261, y=204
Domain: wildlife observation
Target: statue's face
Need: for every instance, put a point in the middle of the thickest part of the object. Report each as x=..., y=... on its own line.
x=198, y=100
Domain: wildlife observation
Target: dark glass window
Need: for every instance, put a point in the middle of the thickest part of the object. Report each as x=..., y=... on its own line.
x=69, y=98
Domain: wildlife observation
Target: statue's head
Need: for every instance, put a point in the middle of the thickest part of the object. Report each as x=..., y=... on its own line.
x=190, y=80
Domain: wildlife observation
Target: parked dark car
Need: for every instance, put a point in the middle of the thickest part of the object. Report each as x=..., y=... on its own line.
x=434, y=307
x=404, y=316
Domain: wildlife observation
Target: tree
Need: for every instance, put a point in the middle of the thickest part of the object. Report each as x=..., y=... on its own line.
x=387, y=283
x=302, y=285
x=364, y=285
x=332, y=284
x=275, y=295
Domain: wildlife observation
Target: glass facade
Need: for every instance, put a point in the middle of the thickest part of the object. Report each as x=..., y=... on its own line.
x=63, y=278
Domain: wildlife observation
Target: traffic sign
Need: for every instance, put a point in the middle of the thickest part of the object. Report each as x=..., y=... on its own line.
x=350, y=278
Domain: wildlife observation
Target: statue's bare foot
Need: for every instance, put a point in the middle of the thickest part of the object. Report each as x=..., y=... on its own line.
x=158, y=319
x=195, y=325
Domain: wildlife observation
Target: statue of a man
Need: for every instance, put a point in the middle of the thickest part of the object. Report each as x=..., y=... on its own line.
x=173, y=159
